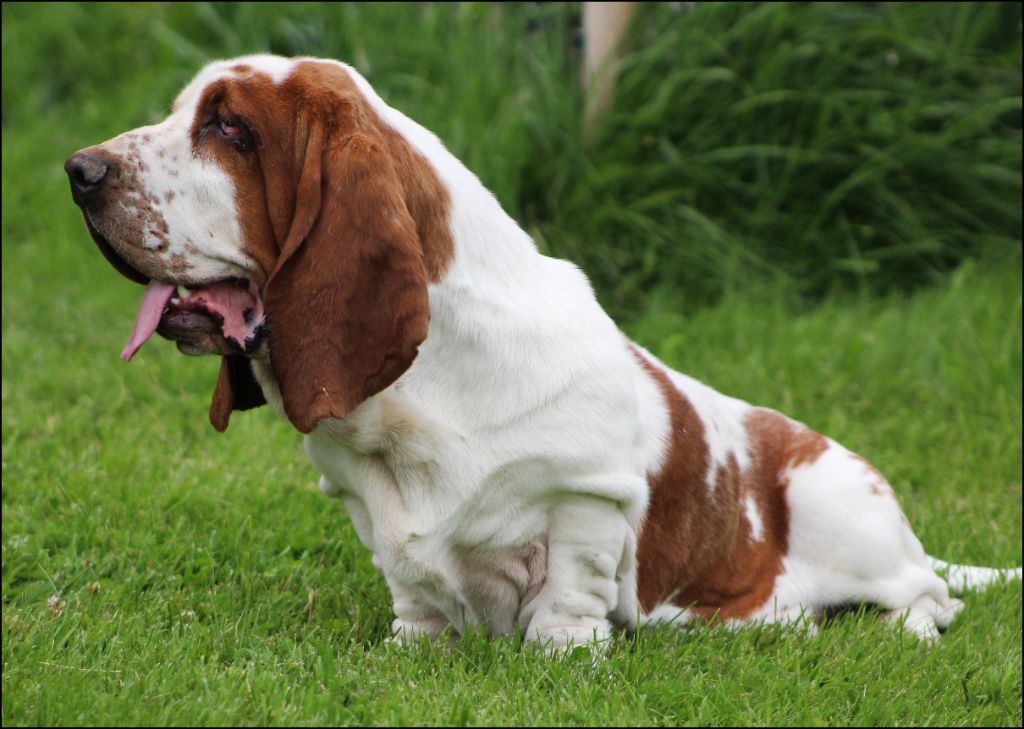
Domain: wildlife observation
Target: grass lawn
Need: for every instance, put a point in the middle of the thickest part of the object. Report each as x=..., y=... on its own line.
x=155, y=572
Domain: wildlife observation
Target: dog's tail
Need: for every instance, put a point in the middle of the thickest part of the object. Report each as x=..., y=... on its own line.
x=962, y=577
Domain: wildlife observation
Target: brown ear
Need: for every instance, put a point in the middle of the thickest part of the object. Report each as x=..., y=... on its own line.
x=347, y=303
x=236, y=389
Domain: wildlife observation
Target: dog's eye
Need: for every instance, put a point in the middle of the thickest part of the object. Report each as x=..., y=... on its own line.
x=230, y=129
x=233, y=131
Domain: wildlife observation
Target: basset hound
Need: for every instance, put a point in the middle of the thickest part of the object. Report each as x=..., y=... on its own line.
x=509, y=457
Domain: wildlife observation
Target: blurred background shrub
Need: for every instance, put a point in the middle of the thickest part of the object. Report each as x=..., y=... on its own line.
x=821, y=147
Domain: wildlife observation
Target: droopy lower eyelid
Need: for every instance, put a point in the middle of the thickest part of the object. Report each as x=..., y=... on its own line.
x=230, y=128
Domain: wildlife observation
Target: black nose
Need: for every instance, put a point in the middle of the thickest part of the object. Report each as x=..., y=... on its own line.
x=87, y=173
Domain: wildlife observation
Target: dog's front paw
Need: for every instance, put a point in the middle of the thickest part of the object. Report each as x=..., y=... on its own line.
x=407, y=631
x=554, y=633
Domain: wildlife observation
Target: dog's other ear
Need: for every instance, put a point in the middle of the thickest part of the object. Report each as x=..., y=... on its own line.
x=347, y=302
x=236, y=389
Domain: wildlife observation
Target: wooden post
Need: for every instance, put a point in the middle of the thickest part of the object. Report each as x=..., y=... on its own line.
x=603, y=27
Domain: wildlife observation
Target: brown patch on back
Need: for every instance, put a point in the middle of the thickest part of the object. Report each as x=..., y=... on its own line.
x=804, y=447
x=876, y=482
x=696, y=547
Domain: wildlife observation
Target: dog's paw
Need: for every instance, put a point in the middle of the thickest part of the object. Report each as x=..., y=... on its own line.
x=554, y=634
x=405, y=632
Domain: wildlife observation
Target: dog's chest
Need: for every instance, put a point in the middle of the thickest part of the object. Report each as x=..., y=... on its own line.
x=415, y=499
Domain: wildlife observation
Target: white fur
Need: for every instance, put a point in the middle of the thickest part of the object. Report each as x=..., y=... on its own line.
x=502, y=481
x=753, y=518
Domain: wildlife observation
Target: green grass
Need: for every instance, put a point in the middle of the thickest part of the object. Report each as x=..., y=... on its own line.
x=204, y=579
x=201, y=578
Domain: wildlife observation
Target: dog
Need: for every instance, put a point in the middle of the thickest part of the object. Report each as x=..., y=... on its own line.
x=510, y=458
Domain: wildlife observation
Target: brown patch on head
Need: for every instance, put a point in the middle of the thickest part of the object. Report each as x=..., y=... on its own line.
x=347, y=222
x=284, y=118
x=158, y=227
x=178, y=263
x=697, y=549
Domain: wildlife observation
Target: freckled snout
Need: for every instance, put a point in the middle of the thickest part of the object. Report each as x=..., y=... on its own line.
x=88, y=174
x=91, y=172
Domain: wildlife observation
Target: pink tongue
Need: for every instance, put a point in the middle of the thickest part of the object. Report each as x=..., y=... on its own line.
x=152, y=307
x=231, y=303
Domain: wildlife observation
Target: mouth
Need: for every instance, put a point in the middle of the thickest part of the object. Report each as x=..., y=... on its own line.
x=221, y=317
x=225, y=316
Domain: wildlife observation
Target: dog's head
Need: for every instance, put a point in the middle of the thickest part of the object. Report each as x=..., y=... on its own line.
x=275, y=213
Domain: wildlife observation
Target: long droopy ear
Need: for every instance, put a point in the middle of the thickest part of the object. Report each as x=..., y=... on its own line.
x=347, y=302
